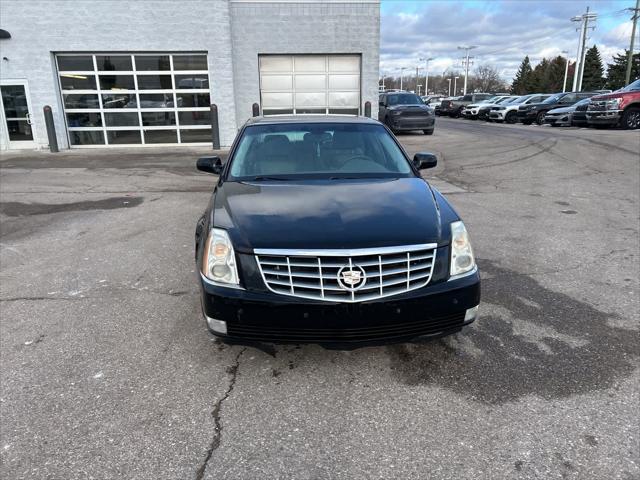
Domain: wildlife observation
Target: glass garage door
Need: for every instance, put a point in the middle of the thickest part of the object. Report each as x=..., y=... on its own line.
x=310, y=84
x=135, y=99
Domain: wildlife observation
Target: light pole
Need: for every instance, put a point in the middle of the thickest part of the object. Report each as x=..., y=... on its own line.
x=566, y=71
x=426, y=74
x=449, y=80
x=455, y=85
x=466, y=64
x=402, y=69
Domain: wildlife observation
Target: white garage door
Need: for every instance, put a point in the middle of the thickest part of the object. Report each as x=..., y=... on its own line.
x=310, y=84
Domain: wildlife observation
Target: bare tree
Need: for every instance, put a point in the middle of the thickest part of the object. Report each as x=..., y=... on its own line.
x=487, y=79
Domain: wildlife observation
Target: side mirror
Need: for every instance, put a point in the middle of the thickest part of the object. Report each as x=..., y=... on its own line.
x=381, y=104
x=424, y=160
x=210, y=165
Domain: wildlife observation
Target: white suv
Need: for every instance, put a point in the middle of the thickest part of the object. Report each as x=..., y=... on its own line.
x=509, y=113
x=472, y=110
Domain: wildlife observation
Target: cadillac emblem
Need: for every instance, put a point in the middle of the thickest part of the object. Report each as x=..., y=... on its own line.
x=351, y=277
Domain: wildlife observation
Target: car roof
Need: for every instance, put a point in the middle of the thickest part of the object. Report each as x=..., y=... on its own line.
x=280, y=119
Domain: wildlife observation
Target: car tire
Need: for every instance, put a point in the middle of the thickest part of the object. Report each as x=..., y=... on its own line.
x=428, y=132
x=540, y=118
x=511, y=118
x=630, y=118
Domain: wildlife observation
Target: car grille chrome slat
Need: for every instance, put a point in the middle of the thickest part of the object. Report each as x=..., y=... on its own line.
x=314, y=274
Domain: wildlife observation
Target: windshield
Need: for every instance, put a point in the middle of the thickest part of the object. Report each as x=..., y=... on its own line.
x=632, y=87
x=404, y=99
x=317, y=150
x=503, y=100
x=554, y=98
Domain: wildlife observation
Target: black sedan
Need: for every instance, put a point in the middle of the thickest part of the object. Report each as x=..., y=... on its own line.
x=323, y=230
x=402, y=111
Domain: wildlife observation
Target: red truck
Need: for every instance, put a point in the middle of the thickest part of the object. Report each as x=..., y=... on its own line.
x=621, y=107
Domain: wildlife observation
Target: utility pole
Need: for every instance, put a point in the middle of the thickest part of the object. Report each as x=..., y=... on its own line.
x=636, y=14
x=449, y=80
x=466, y=64
x=402, y=69
x=582, y=50
x=455, y=85
x=577, y=65
x=426, y=74
x=417, y=80
x=566, y=71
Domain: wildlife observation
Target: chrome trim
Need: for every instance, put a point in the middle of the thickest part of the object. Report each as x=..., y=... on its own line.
x=317, y=283
x=354, y=252
x=218, y=284
x=465, y=274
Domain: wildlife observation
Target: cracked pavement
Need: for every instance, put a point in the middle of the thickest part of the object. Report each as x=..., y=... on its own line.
x=107, y=370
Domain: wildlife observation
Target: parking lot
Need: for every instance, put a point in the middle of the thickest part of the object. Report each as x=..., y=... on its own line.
x=108, y=370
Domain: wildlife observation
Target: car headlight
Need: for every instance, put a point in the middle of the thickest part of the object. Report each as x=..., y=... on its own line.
x=462, y=260
x=501, y=108
x=613, y=103
x=219, y=259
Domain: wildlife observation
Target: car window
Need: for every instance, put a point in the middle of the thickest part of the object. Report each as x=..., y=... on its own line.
x=554, y=98
x=320, y=150
x=569, y=98
x=404, y=99
x=467, y=98
x=632, y=87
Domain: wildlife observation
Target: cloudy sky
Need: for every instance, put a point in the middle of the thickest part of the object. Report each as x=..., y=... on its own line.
x=503, y=30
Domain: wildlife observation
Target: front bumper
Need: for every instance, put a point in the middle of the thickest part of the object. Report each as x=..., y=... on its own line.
x=412, y=123
x=496, y=114
x=436, y=309
x=603, y=117
x=560, y=120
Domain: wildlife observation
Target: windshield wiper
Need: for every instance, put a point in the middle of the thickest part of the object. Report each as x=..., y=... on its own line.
x=259, y=178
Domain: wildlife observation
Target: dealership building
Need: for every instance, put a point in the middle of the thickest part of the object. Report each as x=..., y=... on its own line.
x=140, y=73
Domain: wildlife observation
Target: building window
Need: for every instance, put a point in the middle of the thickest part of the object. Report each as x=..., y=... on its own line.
x=135, y=99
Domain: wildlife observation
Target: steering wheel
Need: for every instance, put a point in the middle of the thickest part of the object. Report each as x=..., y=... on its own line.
x=357, y=158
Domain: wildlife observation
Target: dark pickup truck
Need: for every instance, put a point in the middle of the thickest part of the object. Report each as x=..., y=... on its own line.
x=454, y=107
x=535, y=112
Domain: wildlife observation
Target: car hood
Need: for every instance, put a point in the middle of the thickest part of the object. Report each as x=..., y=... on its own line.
x=562, y=110
x=329, y=213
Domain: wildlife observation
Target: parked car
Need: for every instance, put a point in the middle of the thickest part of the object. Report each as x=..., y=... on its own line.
x=446, y=105
x=433, y=101
x=508, y=112
x=445, y=102
x=621, y=107
x=481, y=110
x=535, y=112
x=321, y=229
x=401, y=111
x=455, y=107
x=563, y=117
x=579, y=116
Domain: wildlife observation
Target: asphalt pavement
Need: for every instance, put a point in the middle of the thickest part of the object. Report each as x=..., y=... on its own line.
x=107, y=369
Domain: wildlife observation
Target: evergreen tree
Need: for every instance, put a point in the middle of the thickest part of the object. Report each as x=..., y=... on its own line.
x=538, y=78
x=593, y=77
x=554, y=75
x=520, y=85
x=617, y=70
